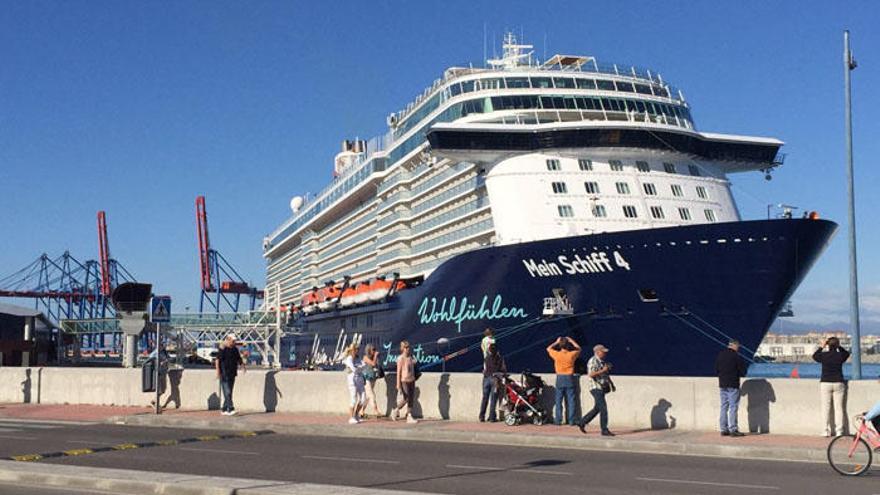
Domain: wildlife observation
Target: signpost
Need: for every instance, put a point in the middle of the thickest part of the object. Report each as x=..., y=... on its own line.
x=160, y=312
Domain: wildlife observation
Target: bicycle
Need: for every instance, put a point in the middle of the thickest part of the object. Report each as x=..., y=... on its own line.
x=851, y=455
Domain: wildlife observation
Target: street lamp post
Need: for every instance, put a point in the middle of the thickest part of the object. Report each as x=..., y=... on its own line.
x=849, y=64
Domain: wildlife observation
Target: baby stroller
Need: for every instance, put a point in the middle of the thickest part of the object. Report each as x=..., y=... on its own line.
x=522, y=400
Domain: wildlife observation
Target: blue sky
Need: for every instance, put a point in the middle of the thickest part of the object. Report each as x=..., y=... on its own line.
x=136, y=108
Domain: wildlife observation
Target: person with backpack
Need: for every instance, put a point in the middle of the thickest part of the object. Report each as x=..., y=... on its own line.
x=407, y=371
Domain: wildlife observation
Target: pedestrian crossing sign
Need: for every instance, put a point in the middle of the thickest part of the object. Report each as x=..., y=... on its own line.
x=160, y=309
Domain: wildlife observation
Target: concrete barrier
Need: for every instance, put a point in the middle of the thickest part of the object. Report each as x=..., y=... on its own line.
x=788, y=406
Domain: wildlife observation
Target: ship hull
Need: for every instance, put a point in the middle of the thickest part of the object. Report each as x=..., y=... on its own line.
x=665, y=301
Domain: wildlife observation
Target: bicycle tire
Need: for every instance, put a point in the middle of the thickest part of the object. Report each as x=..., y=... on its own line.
x=838, y=450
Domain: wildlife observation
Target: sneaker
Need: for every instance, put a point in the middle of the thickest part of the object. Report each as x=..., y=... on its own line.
x=482, y=420
x=353, y=421
x=395, y=414
x=225, y=413
x=725, y=433
x=232, y=412
x=411, y=420
x=737, y=434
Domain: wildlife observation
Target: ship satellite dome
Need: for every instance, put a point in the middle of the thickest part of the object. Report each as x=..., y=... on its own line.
x=296, y=203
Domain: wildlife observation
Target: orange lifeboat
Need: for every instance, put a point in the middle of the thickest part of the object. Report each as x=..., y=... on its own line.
x=349, y=295
x=327, y=297
x=310, y=301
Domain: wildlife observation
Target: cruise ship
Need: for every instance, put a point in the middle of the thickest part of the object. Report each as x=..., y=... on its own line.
x=539, y=199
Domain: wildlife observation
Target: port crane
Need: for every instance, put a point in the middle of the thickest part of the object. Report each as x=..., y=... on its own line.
x=221, y=286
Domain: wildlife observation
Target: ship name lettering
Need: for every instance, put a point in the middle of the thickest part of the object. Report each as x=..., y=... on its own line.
x=595, y=262
x=459, y=310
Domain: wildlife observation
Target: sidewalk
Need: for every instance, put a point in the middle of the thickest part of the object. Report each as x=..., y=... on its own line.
x=677, y=442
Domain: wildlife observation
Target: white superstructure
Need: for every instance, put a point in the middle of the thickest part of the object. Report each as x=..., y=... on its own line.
x=395, y=205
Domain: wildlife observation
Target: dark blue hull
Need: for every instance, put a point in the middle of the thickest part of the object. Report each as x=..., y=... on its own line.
x=665, y=301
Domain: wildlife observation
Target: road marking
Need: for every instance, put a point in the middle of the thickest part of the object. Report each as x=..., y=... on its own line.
x=88, y=442
x=33, y=423
x=348, y=459
x=10, y=430
x=710, y=483
x=138, y=445
x=218, y=451
x=510, y=469
x=13, y=437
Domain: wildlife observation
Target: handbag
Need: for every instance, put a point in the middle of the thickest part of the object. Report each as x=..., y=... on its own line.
x=608, y=386
x=379, y=372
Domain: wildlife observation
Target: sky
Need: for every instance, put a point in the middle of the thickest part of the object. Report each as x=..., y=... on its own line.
x=138, y=107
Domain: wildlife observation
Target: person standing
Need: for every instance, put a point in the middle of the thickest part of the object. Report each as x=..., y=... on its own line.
x=227, y=364
x=832, y=386
x=729, y=367
x=488, y=339
x=598, y=372
x=355, y=378
x=564, y=352
x=371, y=374
x=492, y=364
x=406, y=382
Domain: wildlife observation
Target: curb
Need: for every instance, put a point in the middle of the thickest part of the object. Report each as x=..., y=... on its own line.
x=792, y=454
x=129, y=482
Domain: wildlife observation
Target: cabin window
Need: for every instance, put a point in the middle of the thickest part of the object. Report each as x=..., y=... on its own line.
x=710, y=215
x=657, y=212
x=605, y=85
x=650, y=190
x=622, y=188
x=643, y=166
x=565, y=211
x=684, y=213
x=701, y=192
x=591, y=187
x=560, y=188
x=599, y=211
x=669, y=168
x=616, y=165
x=676, y=190
x=553, y=165
x=585, y=164
x=564, y=82
x=630, y=211
x=586, y=83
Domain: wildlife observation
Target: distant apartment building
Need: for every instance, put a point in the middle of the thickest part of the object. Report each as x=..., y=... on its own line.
x=801, y=346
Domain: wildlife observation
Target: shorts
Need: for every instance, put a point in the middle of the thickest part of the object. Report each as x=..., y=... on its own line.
x=356, y=392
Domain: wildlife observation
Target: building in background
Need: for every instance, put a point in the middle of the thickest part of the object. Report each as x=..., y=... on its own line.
x=800, y=347
x=39, y=347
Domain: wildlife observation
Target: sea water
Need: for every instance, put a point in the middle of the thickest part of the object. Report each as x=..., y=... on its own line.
x=807, y=370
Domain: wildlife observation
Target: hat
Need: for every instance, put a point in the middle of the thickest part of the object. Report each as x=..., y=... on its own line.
x=600, y=347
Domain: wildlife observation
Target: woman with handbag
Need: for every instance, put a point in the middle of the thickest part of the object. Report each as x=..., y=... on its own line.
x=599, y=373
x=372, y=372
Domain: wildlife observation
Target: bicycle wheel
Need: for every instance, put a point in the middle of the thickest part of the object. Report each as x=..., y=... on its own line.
x=846, y=463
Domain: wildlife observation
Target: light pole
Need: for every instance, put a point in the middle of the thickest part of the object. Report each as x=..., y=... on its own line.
x=849, y=64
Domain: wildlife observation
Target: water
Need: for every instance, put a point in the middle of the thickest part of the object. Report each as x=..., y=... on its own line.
x=806, y=370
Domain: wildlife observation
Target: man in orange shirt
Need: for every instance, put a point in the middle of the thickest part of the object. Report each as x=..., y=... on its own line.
x=564, y=352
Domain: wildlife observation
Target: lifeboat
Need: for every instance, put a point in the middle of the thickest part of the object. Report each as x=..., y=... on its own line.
x=380, y=288
x=349, y=295
x=310, y=301
x=327, y=297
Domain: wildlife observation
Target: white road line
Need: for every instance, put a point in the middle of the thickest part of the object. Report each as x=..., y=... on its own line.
x=55, y=423
x=710, y=483
x=10, y=430
x=348, y=459
x=514, y=470
x=13, y=437
x=218, y=451
x=26, y=424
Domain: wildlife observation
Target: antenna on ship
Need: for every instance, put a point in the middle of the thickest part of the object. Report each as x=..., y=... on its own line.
x=513, y=54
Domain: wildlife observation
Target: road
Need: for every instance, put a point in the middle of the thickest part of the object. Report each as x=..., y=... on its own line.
x=423, y=466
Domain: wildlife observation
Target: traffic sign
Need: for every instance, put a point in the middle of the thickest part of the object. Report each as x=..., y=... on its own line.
x=160, y=309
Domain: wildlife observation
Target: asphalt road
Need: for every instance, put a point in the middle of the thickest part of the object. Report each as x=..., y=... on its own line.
x=424, y=466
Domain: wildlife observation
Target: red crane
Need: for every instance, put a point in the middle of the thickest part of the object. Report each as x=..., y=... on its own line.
x=213, y=266
x=104, y=255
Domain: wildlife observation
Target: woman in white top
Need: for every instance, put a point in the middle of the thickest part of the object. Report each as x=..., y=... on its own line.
x=355, y=377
